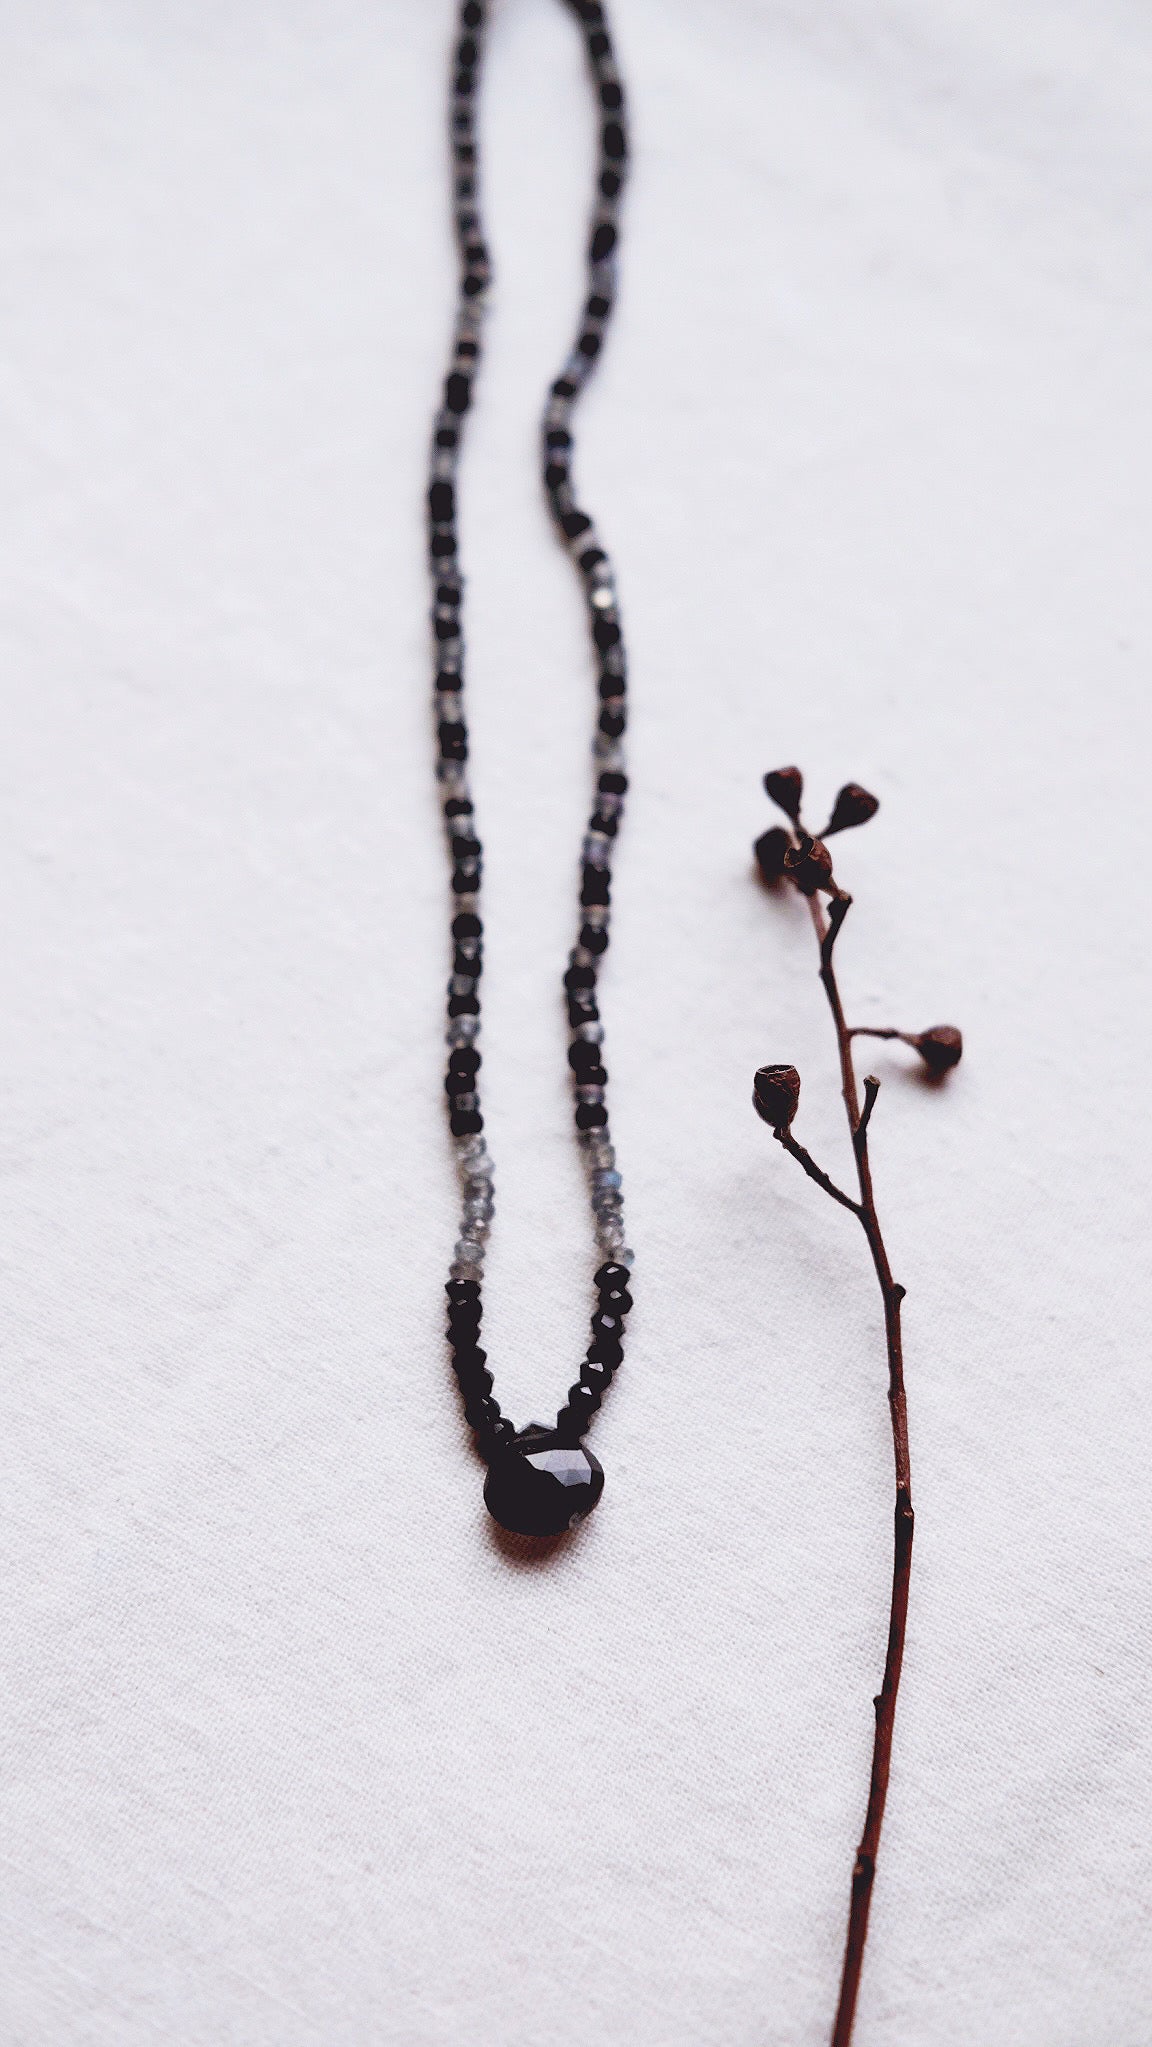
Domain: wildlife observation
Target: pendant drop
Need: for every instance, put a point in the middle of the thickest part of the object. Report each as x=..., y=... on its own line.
x=537, y=1485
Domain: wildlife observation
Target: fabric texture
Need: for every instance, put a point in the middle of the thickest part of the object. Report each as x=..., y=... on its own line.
x=297, y=1754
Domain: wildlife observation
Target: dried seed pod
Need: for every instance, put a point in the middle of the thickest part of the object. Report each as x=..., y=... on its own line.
x=809, y=865
x=853, y=806
x=785, y=786
x=940, y=1048
x=775, y=1095
x=770, y=849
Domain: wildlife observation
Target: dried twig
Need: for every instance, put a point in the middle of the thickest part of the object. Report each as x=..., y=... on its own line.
x=796, y=856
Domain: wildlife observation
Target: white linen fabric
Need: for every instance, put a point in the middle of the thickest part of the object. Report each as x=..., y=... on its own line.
x=296, y=1755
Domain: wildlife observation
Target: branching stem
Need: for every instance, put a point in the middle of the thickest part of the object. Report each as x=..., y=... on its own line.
x=827, y=928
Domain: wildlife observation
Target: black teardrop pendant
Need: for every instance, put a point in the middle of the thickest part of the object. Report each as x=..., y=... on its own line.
x=537, y=1485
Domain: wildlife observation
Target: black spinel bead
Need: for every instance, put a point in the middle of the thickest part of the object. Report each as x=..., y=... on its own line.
x=610, y=94
x=606, y=633
x=582, y=1056
x=538, y=1485
x=611, y=1274
x=580, y=977
x=596, y=888
x=589, y=345
x=607, y=1325
x=453, y=739
x=591, y=559
x=463, y=1005
x=610, y=686
x=556, y=437
x=610, y=183
x=601, y=822
x=442, y=544
x=464, y=1059
x=593, y=938
x=612, y=724
x=563, y=388
x=472, y=15
x=448, y=683
x=596, y=1375
x=575, y=523
x=474, y=284
x=465, y=1122
x=591, y=1115
x=616, y=1301
x=466, y=925
x=607, y=1350
x=447, y=437
x=613, y=784
x=582, y=1008
x=457, y=392
x=459, y=1290
x=555, y=474
x=442, y=501
x=598, y=307
x=599, y=44
x=612, y=140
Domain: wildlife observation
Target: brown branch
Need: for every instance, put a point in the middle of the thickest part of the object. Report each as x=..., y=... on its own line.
x=827, y=931
x=814, y=1172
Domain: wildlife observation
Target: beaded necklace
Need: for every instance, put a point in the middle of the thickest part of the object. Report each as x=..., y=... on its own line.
x=540, y=1480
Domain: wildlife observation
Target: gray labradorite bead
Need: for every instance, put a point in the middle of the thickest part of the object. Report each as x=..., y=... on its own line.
x=537, y=1485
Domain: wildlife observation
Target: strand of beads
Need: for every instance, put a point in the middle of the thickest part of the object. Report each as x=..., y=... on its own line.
x=579, y=1483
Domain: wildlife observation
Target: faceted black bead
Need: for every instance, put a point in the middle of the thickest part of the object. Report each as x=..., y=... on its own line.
x=613, y=785
x=472, y=15
x=580, y=977
x=590, y=345
x=607, y=1350
x=575, y=523
x=537, y=1485
x=606, y=633
x=606, y=1324
x=598, y=307
x=464, y=1059
x=612, y=723
x=610, y=686
x=442, y=501
x=453, y=739
x=556, y=437
x=448, y=628
x=462, y=1289
x=591, y=559
x=474, y=283
x=457, y=392
x=466, y=880
x=593, y=938
x=611, y=1274
x=615, y=1300
x=582, y=1056
x=447, y=437
x=595, y=1375
x=467, y=926
x=610, y=183
x=591, y=1115
x=610, y=94
x=563, y=388
x=442, y=544
x=465, y=847
x=582, y=1008
x=596, y=887
x=555, y=475
x=599, y=44
x=612, y=140
x=465, y=1122
x=463, y=1005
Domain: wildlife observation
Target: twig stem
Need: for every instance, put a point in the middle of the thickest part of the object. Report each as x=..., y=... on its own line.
x=827, y=930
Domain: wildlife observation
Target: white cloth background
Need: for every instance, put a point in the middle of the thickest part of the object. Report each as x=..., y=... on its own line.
x=294, y=1754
